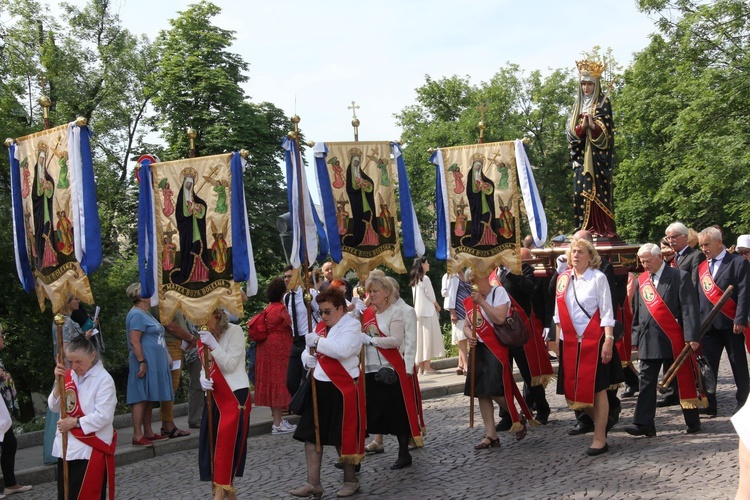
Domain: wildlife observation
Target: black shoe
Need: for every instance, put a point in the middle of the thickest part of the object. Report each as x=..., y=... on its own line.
x=592, y=452
x=708, y=412
x=640, y=430
x=663, y=403
x=694, y=429
x=552, y=357
x=504, y=424
x=581, y=428
x=542, y=416
x=629, y=392
x=401, y=462
x=340, y=465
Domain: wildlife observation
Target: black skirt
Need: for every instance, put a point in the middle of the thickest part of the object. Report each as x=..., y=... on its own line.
x=330, y=412
x=489, y=378
x=386, y=411
x=606, y=374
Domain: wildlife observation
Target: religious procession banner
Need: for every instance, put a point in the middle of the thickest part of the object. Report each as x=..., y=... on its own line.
x=56, y=229
x=357, y=186
x=193, y=237
x=477, y=207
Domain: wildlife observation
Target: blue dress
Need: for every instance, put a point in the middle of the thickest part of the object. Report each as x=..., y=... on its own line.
x=157, y=384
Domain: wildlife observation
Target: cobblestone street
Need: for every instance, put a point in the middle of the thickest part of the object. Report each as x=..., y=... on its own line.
x=547, y=464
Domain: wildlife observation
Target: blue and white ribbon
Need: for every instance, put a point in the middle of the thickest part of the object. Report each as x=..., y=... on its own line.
x=148, y=267
x=412, y=236
x=243, y=262
x=531, y=199
x=314, y=245
x=320, y=151
x=443, y=250
x=23, y=266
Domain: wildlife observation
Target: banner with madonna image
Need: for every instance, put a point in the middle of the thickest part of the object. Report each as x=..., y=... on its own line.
x=194, y=242
x=56, y=230
x=357, y=186
x=477, y=207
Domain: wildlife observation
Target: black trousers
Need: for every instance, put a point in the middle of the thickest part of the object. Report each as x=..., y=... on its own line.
x=8, y=457
x=295, y=372
x=714, y=342
x=645, y=406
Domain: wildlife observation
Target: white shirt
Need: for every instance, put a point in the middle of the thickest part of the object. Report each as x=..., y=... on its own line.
x=657, y=275
x=717, y=262
x=97, y=398
x=450, y=282
x=229, y=356
x=391, y=323
x=592, y=290
x=424, y=298
x=301, y=310
x=497, y=297
x=409, y=346
x=343, y=343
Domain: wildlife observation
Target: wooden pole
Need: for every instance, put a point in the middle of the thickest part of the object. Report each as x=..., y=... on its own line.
x=60, y=321
x=473, y=354
x=206, y=361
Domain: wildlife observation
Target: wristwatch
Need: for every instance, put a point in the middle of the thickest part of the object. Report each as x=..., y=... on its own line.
x=611, y=337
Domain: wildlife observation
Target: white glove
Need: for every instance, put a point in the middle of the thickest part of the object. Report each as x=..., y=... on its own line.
x=562, y=264
x=207, y=385
x=208, y=340
x=310, y=339
x=308, y=360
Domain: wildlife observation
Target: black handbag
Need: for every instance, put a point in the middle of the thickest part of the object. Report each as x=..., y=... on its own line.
x=301, y=398
x=709, y=380
x=385, y=375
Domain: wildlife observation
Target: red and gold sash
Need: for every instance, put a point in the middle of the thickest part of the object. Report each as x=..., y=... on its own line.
x=713, y=293
x=354, y=419
x=485, y=331
x=102, y=459
x=234, y=417
x=370, y=323
x=418, y=402
x=537, y=355
x=687, y=383
x=580, y=358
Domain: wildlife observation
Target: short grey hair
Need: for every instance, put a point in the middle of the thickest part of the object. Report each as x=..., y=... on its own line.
x=677, y=227
x=134, y=292
x=711, y=232
x=647, y=248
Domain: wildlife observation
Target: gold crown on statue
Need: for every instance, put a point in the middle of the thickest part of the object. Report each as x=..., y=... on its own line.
x=189, y=172
x=590, y=68
x=355, y=152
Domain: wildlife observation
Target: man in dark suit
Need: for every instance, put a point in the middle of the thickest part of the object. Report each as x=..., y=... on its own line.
x=686, y=257
x=726, y=332
x=664, y=294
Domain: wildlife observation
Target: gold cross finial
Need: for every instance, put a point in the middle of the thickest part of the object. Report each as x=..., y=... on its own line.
x=354, y=107
x=482, y=110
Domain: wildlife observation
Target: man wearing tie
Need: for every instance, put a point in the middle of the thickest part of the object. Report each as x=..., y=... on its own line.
x=686, y=257
x=664, y=319
x=726, y=332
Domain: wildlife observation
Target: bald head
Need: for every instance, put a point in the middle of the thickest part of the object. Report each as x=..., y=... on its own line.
x=526, y=254
x=584, y=235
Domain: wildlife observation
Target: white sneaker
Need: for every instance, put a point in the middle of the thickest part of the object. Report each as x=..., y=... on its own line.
x=287, y=425
x=280, y=429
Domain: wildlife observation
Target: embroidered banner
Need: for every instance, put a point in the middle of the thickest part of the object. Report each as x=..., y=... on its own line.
x=195, y=229
x=358, y=179
x=477, y=205
x=55, y=218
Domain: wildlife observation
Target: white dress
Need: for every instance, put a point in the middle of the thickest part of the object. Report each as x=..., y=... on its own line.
x=429, y=336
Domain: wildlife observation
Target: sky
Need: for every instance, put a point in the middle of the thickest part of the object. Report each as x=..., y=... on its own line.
x=315, y=58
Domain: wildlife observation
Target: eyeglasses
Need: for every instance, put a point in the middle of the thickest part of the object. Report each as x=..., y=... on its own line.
x=326, y=312
x=744, y=251
x=287, y=276
x=675, y=236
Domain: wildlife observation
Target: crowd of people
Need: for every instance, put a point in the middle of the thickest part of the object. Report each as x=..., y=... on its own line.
x=362, y=349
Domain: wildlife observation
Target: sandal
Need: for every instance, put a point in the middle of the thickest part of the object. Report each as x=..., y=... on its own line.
x=483, y=444
x=374, y=447
x=522, y=433
x=174, y=433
